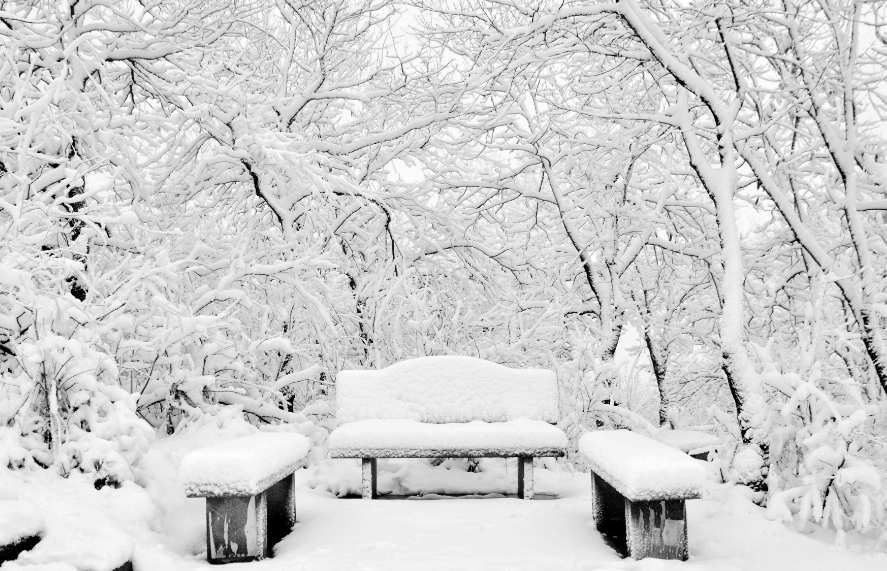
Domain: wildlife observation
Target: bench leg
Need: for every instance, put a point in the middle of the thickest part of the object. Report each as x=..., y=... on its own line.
x=656, y=529
x=281, y=505
x=608, y=510
x=525, y=483
x=607, y=507
x=236, y=529
x=370, y=475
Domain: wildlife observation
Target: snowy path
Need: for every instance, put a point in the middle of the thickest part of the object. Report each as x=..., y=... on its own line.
x=446, y=534
x=727, y=533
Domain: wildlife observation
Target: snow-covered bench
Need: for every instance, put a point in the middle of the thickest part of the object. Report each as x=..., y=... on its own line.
x=640, y=486
x=447, y=407
x=248, y=486
x=693, y=442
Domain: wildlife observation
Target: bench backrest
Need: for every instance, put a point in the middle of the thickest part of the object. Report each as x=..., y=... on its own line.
x=447, y=389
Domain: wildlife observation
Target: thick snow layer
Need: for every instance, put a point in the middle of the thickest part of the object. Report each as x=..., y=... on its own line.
x=447, y=389
x=687, y=440
x=726, y=533
x=19, y=520
x=242, y=467
x=81, y=528
x=83, y=548
x=640, y=468
x=411, y=439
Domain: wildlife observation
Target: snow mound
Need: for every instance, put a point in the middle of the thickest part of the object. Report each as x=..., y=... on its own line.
x=687, y=440
x=93, y=545
x=410, y=439
x=18, y=520
x=244, y=466
x=640, y=468
x=447, y=389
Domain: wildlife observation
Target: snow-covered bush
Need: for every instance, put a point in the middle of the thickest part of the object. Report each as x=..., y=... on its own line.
x=825, y=459
x=61, y=404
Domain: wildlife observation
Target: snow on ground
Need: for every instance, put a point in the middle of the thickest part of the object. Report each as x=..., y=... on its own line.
x=488, y=531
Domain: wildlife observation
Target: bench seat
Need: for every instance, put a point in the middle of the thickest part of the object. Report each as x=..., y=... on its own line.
x=242, y=467
x=411, y=439
x=248, y=486
x=638, y=488
x=640, y=468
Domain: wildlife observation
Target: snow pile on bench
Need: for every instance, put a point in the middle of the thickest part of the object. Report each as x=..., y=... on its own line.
x=640, y=468
x=447, y=389
x=244, y=466
x=687, y=440
x=411, y=439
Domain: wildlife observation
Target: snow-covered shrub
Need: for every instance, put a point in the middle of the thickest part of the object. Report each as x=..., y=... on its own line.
x=824, y=460
x=60, y=401
x=822, y=457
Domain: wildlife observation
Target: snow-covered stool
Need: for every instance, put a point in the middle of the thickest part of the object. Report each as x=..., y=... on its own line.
x=639, y=487
x=447, y=407
x=248, y=486
x=693, y=442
